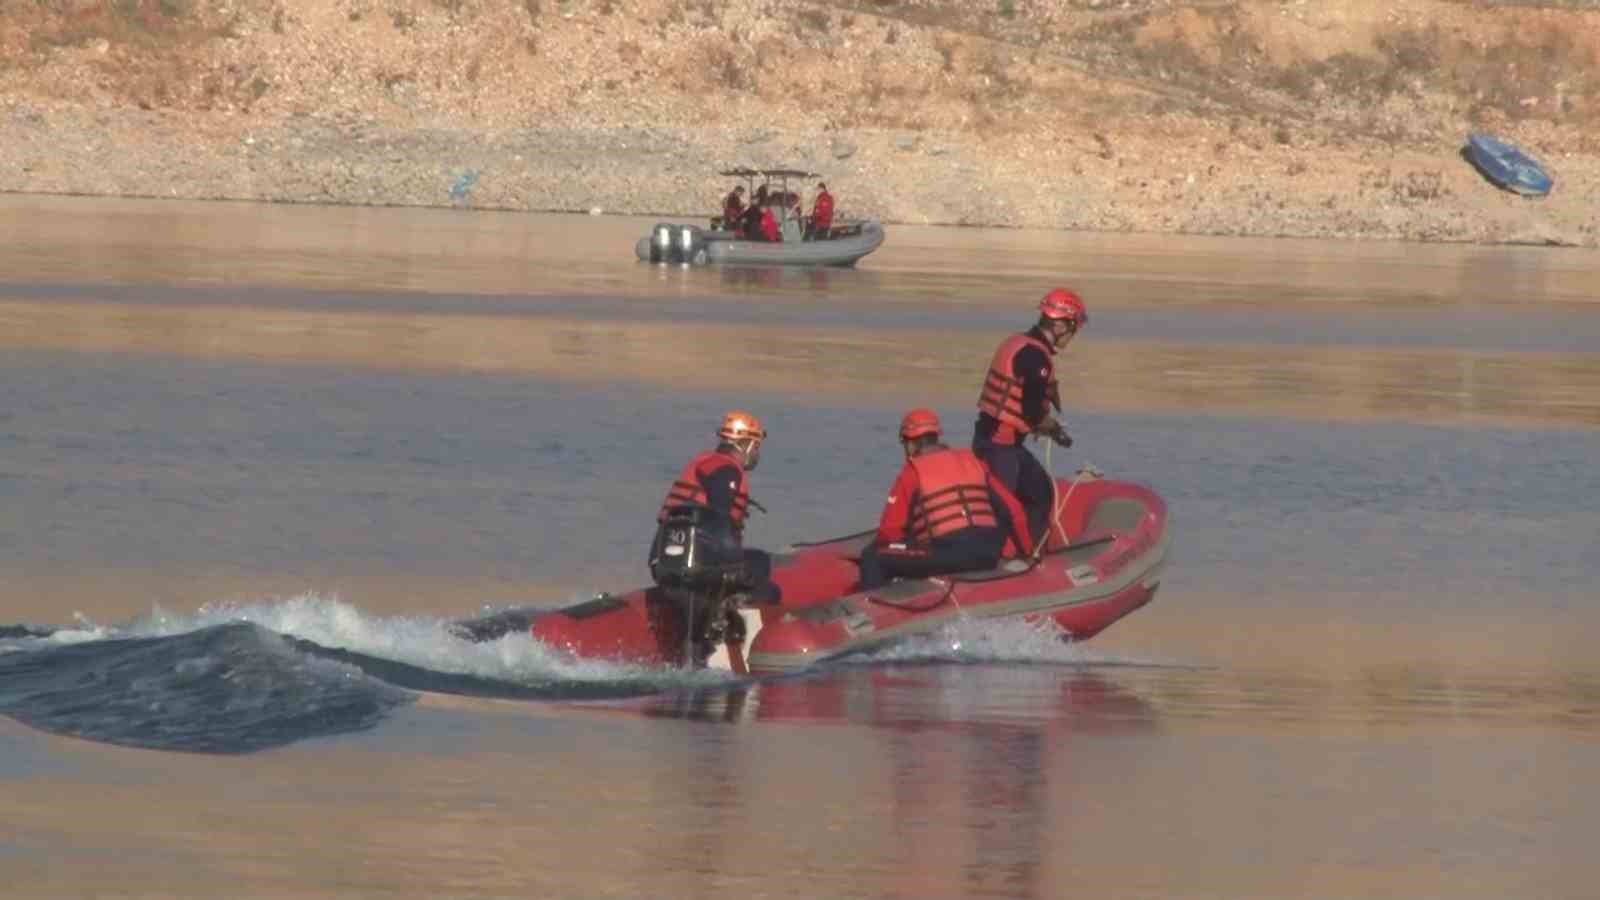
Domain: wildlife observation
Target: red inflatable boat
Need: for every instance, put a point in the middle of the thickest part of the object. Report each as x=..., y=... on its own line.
x=1103, y=560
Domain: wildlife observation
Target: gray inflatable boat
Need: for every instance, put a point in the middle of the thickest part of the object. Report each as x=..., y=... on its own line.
x=693, y=245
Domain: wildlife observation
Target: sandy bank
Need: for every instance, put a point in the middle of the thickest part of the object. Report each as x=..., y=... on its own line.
x=1339, y=119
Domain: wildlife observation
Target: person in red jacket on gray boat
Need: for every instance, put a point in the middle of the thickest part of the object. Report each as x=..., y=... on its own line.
x=1019, y=392
x=945, y=512
x=821, y=226
x=733, y=209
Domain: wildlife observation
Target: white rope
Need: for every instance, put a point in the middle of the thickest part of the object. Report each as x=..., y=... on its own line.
x=1058, y=502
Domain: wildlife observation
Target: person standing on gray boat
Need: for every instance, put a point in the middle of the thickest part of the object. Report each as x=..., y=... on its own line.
x=821, y=224
x=733, y=208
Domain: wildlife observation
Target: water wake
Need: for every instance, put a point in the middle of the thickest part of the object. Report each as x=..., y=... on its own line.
x=240, y=677
x=220, y=689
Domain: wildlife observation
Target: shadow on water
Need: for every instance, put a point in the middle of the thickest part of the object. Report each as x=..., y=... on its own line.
x=786, y=279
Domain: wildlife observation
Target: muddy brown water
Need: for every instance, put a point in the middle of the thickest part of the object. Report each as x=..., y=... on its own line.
x=1369, y=672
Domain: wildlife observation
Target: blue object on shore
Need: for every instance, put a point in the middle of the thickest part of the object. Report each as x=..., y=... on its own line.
x=463, y=185
x=1506, y=166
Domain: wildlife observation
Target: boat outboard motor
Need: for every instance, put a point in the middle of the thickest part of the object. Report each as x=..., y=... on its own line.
x=661, y=243
x=695, y=549
x=689, y=244
x=697, y=562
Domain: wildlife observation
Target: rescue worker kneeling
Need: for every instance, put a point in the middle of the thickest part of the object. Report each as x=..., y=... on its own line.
x=698, y=546
x=945, y=513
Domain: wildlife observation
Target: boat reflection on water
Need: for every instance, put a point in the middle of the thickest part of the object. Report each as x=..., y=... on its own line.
x=791, y=278
x=971, y=698
x=813, y=281
x=967, y=781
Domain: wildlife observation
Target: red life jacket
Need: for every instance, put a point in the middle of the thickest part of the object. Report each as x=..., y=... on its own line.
x=1002, y=392
x=769, y=225
x=822, y=211
x=687, y=490
x=952, y=495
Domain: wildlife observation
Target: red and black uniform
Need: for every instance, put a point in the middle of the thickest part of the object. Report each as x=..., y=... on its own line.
x=1018, y=392
x=750, y=223
x=822, y=214
x=732, y=210
x=715, y=482
x=1019, y=388
x=944, y=514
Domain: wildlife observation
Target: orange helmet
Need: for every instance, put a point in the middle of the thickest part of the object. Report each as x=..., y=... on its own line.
x=739, y=425
x=1062, y=303
x=919, y=422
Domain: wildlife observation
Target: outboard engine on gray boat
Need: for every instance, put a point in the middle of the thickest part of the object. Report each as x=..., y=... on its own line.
x=683, y=244
x=661, y=243
x=690, y=243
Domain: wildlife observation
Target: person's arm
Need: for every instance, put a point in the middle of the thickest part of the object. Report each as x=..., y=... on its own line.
x=896, y=518
x=1031, y=367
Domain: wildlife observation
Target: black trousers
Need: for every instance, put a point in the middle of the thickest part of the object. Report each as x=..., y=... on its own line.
x=965, y=551
x=1021, y=473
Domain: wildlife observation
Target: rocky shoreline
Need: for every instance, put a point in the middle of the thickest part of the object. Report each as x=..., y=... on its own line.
x=994, y=146
x=897, y=177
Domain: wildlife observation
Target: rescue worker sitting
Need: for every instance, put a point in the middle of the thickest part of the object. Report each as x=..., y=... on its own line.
x=1018, y=394
x=733, y=208
x=945, y=513
x=698, y=546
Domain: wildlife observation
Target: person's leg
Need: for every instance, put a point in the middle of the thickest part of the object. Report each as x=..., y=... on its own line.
x=755, y=579
x=1003, y=461
x=1014, y=467
x=1036, y=490
x=966, y=551
x=872, y=574
x=912, y=562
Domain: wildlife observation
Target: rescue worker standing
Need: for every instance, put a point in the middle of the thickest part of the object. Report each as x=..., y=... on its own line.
x=733, y=208
x=714, y=492
x=944, y=514
x=751, y=220
x=821, y=215
x=1019, y=392
x=769, y=226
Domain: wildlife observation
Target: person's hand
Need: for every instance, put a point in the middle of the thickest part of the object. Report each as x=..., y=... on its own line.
x=1055, y=431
